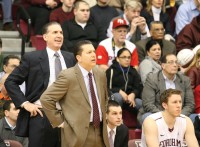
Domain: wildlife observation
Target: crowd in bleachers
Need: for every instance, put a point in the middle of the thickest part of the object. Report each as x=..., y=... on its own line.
x=144, y=47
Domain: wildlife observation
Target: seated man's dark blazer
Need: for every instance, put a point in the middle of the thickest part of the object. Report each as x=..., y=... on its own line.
x=34, y=70
x=121, y=137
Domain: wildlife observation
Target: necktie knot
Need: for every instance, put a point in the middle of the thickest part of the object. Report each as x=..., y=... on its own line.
x=56, y=55
x=90, y=75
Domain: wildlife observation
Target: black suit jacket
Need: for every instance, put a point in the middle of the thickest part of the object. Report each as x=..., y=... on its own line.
x=121, y=137
x=34, y=70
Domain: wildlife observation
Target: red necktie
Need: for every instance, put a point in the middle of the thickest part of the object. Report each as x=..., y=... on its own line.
x=96, y=118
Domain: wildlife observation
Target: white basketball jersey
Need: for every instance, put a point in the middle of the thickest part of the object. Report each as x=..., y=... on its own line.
x=165, y=137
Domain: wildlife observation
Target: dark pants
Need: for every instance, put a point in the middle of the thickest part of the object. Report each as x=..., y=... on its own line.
x=41, y=133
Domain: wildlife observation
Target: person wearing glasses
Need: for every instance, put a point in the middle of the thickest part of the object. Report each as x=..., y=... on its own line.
x=123, y=81
x=156, y=83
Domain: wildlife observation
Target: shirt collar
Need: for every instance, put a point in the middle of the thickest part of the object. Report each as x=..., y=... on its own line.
x=84, y=71
x=167, y=78
x=108, y=129
x=11, y=127
x=51, y=52
x=193, y=5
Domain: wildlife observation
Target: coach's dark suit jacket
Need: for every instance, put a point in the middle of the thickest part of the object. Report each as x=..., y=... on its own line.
x=34, y=70
x=121, y=137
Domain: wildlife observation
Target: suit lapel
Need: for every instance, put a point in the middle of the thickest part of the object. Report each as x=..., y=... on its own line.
x=117, y=138
x=81, y=82
x=44, y=62
x=66, y=58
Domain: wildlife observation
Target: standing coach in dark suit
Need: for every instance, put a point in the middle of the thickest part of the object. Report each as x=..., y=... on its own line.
x=117, y=132
x=38, y=70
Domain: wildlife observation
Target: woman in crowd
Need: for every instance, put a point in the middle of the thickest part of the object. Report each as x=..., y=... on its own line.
x=124, y=81
x=151, y=61
x=156, y=11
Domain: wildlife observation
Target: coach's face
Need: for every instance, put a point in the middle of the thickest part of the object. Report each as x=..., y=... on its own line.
x=54, y=37
x=87, y=58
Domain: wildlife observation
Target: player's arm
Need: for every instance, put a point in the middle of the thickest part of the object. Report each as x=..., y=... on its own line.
x=190, y=137
x=151, y=132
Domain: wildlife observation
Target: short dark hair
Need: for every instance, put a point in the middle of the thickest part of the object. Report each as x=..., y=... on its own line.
x=164, y=57
x=112, y=103
x=151, y=43
x=78, y=46
x=7, y=58
x=167, y=93
x=46, y=26
x=6, y=105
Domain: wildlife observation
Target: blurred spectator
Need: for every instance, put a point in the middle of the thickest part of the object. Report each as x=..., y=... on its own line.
x=189, y=36
x=63, y=13
x=197, y=128
x=108, y=48
x=118, y=4
x=164, y=79
x=10, y=62
x=157, y=33
x=7, y=15
x=138, y=28
x=91, y=2
x=101, y=15
x=80, y=28
x=156, y=11
x=8, y=124
x=2, y=144
x=123, y=81
x=39, y=11
x=151, y=63
x=186, y=12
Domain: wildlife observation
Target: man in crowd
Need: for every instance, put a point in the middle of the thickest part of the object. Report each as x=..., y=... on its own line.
x=82, y=93
x=157, y=33
x=38, y=69
x=8, y=124
x=164, y=79
x=108, y=48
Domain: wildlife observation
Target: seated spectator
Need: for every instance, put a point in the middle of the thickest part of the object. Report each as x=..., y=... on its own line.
x=168, y=127
x=157, y=33
x=63, y=13
x=108, y=48
x=10, y=62
x=123, y=81
x=7, y=15
x=189, y=36
x=101, y=15
x=151, y=63
x=8, y=124
x=39, y=11
x=118, y=4
x=186, y=12
x=156, y=11
x=117, y=132
x=80, y=28
x=138, y=28
x=164, y=79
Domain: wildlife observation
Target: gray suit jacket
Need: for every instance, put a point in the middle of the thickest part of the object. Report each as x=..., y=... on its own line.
x=155, y=85
x=168, y=47
x=70, y=90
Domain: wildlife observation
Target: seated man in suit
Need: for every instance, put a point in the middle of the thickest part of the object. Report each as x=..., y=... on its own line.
x=157, y=33
x=8, y=124
x=117, y=132
x=156, y=83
